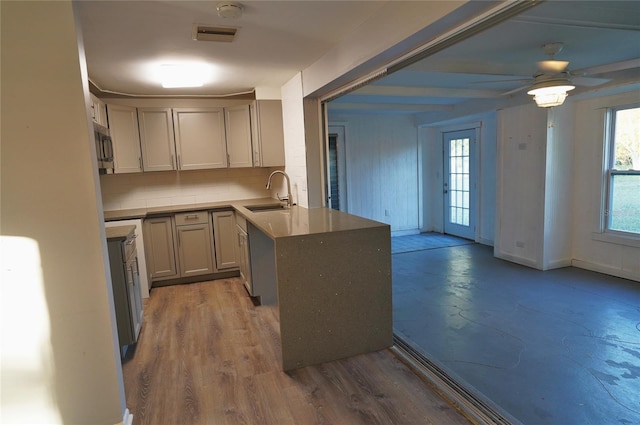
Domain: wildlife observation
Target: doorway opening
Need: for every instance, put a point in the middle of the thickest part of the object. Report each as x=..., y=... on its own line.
x=336, y=168
x=333, y=200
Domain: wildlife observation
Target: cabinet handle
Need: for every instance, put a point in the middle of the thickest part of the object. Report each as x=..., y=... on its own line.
x=140, y=162
x=228, y=160
x=191, y=217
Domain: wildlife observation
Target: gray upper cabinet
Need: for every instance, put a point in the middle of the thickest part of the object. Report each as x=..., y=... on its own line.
x=157, y=139
x=123, y=127
x=200, y=138
x=267, y=133
x=238, y=126
x=197, y=138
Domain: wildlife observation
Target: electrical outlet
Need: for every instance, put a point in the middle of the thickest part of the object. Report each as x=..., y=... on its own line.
x=386, y=213
x=520, y=244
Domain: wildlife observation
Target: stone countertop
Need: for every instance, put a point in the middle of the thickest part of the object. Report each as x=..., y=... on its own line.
x=136, y=213
x=296, y=221
x=300, y=221
x=120, y=232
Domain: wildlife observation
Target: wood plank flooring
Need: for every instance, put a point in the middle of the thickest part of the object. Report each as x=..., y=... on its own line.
x=207, y=355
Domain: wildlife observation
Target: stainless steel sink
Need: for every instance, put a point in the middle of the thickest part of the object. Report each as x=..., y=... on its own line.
x=266, y=207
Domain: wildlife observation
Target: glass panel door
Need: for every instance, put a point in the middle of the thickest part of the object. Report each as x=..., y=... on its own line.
x=459, y=183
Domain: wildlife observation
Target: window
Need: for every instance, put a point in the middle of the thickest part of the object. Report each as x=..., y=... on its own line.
x=623, y=171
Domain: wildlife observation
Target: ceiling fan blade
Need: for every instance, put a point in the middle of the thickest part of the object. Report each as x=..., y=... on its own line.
x=609, y=67
x=588, y=81
x=515, y=80
x=507, y=93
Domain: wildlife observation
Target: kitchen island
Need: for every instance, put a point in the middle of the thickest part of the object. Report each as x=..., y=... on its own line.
x=333, y=282
x=328, y=272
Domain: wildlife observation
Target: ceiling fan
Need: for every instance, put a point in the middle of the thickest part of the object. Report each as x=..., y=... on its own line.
x=550, y=84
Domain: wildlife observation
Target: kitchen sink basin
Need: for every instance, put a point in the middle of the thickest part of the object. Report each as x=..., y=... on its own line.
x=266, y=207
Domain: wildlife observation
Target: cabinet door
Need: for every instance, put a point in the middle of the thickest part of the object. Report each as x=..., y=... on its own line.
x=200, y=138
x=238, y=126
x=123, y=128
x=120, y=278
x=224, y=234
x=242, y=247
x=160, y=248
x=156, y=138
x=268, y=133
x=195, y=250
x=98, y=111
x=135, y=298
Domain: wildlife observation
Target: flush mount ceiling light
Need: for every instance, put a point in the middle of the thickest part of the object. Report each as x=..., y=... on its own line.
x=550, y=91
x=182, y=75
x=229, y=10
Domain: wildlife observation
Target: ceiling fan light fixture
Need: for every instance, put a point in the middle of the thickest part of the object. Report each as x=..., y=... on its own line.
x=550, y=92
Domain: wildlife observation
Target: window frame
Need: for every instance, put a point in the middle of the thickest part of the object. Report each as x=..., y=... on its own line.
x=610, y=173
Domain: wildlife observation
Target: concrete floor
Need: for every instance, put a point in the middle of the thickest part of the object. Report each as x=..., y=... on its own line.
x=554, y=347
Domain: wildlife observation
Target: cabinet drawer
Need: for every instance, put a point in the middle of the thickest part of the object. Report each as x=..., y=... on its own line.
x=192, y=217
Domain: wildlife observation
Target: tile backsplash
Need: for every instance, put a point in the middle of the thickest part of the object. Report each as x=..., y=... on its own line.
x=164, y=188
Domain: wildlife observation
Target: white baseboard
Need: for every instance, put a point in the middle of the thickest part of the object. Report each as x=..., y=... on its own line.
x=127, y=418
x=485, y=241
x=606, y=270
x=515, y=259
x=558, y=264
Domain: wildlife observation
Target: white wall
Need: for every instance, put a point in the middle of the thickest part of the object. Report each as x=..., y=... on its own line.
x=592, y=249
x=166, y=188
x=294, y=140
x=558, y=202
x=382, y=169
x=50, y=199
x=520, y=183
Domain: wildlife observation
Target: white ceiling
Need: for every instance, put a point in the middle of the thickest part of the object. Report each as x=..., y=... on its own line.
x=277, y=39
x=499, y=63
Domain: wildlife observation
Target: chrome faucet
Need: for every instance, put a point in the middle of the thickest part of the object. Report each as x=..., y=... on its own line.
x=288, y=198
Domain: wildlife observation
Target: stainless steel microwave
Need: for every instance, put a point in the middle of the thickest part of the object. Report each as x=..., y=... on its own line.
x=104, y=149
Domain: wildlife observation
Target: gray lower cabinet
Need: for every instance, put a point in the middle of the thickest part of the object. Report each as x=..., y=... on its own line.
x=195, y=243
x=224, y=234
x=160, y=248
x=183, y=245
x=125, y=283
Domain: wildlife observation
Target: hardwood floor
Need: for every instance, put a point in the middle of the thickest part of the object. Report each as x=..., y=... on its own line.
x=207, y=355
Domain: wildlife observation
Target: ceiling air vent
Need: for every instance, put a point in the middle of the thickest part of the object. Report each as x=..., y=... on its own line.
x=206, y=33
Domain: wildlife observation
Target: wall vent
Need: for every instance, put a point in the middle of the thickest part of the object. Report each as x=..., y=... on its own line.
x=207, y=33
